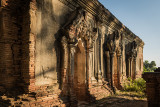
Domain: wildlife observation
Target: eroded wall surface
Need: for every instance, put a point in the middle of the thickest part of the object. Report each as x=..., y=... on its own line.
x=59, y=52
x=50, y=16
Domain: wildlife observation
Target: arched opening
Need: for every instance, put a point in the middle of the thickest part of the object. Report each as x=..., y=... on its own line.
x=80, y=72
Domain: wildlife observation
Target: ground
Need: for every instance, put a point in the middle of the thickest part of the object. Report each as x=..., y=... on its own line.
x=121, y=99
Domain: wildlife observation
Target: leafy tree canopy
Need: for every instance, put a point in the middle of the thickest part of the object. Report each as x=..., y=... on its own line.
x=149, y=66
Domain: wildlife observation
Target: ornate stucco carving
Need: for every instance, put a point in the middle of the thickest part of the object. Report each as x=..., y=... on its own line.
x=104, y=16
x=79, y=27
x=132, y=52
x=114, y=43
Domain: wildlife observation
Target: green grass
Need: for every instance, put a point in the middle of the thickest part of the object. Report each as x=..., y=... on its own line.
x=137, y=85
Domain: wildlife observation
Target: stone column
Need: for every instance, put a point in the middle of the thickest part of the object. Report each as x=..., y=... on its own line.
x=64, y=67
x=71, y=75
x=100, y=63
x=95, y=60
x=89, y=55
x=124, y=70
x=102, y=60
x=90, y=65
x=135, y=71
x=93, y=66
x=112, y=70
x=129, y=65
x=72, y=51
x=119, y=57
x=108, y=66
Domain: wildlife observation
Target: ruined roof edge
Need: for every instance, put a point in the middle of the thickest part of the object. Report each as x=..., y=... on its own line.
x=97, y=9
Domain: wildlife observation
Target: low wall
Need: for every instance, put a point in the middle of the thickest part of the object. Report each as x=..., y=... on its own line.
x=153, y=87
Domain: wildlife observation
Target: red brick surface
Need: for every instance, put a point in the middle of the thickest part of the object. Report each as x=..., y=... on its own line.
x=17, y=65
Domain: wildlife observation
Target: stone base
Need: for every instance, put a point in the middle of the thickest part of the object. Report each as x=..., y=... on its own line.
x=45, y=96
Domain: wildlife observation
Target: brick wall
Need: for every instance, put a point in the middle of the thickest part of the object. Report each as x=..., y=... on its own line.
x=10, y=45
x=17, y=56
x=152, y=88
x=18, y=35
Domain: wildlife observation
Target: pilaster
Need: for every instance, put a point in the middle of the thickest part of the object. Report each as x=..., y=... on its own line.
x=135, y=71
x=120, y=78
x=131, y=67
x=112, y=55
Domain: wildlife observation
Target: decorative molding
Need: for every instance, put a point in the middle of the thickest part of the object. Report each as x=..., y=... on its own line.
x=114, y=43
x=79, y=27
x=103, y=15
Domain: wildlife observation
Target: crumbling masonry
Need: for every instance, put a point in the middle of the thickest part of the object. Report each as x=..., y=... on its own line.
x=62, y=52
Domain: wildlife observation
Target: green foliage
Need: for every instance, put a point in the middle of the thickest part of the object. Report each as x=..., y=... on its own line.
x=149, y=66
x=137, y=85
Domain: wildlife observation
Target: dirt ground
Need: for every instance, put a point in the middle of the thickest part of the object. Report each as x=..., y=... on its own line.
x=121, y=99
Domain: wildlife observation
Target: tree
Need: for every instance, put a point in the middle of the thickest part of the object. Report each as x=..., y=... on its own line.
x=149, y=67
x=152, y=64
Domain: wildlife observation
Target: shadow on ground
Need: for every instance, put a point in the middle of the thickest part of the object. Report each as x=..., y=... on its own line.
x=119, y=100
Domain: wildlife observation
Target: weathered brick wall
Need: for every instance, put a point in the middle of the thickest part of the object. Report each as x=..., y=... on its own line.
x=10, y=44
x=30, y=57
x=17, y=58
x=152, y=88
x=28, y=47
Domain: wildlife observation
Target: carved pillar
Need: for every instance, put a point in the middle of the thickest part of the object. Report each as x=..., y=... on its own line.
x=119, y=57
x=96, y=61
x=112, y=70
x=71, y=74
x=102, y=60
x=90, y=62
x=108, y=70
x=93, y=67
x=129, y=65
x=99, y=61
x=90, y=66
x=64, y=66
x=72, y=51
x=134, y=72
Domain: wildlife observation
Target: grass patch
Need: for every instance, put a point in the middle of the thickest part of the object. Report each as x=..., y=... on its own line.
x=137, y=85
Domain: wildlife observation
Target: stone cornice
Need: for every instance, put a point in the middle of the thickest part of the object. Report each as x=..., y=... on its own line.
x=103, y=15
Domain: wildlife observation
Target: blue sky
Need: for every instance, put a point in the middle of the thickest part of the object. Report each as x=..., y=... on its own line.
x=142, y=17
